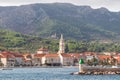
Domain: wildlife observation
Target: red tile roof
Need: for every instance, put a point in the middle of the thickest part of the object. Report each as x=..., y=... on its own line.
x=7, y=54
x=66, y=55
x=103, y=57
x=117, y=57
x=26, y=54
x=51, y=55
x=18, y=55
x=39, y=55
x=1, y=56
x=11, y=53
x=75, y=55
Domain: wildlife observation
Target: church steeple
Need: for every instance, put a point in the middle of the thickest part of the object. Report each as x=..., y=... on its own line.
x=61, y=45
x=61, y=37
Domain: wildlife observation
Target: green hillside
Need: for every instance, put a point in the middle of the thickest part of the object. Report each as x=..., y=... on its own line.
x=17, y=42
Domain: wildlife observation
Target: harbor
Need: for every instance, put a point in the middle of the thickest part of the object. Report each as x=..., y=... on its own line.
x=96, y=70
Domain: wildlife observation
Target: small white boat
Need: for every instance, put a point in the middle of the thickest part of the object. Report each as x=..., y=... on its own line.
x=6, y=69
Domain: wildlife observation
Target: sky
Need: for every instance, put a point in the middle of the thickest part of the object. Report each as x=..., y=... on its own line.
x=112, y=5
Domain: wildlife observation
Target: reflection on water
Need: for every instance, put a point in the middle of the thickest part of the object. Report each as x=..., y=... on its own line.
x=50, y=74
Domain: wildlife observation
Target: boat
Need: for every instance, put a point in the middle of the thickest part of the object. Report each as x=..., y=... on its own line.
x=6, y=69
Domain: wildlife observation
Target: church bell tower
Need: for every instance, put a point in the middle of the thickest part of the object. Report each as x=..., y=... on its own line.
x=61, y=45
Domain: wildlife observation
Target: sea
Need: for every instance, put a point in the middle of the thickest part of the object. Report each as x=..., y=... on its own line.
x=62, y=73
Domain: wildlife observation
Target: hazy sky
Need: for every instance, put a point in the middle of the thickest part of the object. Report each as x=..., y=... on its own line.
x=113, y=5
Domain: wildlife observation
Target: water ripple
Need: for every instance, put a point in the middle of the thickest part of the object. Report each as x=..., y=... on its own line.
x=50, y=74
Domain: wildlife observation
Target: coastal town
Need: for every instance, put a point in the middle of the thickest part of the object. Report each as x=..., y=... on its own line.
x=42, y=57
x=59, y=40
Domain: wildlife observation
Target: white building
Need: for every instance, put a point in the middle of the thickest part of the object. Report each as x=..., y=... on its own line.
x=7, y=59
x=43, y=50
x=51, y=60
x=66, y=59
x=38, y=59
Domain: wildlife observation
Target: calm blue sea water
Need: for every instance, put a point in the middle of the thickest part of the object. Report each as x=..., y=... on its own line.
x=50, y=74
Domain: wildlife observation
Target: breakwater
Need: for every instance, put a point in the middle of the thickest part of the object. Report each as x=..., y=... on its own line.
x=98, y=71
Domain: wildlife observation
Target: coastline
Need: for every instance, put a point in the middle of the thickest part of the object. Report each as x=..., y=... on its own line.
x=42, y=67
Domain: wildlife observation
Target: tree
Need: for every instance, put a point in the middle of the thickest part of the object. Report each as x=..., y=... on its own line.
x=94, y=61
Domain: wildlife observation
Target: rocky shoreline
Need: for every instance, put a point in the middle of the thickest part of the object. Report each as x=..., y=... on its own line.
x=98, y=71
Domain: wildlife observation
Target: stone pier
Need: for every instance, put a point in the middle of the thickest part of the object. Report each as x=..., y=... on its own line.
x=98, y=71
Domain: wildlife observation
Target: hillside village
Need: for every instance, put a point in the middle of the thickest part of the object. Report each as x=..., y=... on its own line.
x=43, y=57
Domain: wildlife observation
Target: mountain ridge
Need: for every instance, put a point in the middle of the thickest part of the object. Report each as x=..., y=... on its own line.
x=75, y=22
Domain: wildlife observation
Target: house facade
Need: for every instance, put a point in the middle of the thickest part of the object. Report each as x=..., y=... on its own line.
x=19, y=59
x=66, y=59
x=27, y=60
x=7, y=59
x=38, y=59
x=51, y=60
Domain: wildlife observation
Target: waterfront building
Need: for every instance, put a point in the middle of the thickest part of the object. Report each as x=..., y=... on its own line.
x=66, y=59
x=76, y=57
x=10, y=59
x=43, y=57
x=7, y=59
x=56, y=59
x=19, y=59
x=51, y=60
x=38, y=59
x=46, y=59
x=27, y=59
x=117, y=57
x=104, y=58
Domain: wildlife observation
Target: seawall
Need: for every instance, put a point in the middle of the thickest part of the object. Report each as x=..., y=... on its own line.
x=98, y=71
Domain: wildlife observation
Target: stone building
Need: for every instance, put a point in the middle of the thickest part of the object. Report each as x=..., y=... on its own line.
x=61, y=45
